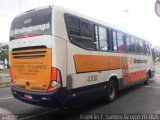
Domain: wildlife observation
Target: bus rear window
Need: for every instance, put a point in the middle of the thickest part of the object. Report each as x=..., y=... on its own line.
x=31, y=24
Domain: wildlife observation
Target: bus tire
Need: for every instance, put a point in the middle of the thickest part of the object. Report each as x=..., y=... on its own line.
x=147, y=79
x=111, y=90
x=146, y=82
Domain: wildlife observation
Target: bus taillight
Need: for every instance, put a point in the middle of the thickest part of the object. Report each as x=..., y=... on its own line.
x=55, y=82
x=54, y=74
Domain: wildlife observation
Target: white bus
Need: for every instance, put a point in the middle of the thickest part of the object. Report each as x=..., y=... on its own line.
x=62, y=58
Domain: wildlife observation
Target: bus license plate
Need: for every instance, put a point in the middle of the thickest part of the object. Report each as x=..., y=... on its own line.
x=28, y=96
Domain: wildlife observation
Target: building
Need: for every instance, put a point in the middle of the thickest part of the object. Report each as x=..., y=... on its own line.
x=3, y=46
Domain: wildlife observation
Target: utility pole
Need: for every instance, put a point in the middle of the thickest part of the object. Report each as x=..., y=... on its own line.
x=19, y=3
x=125, y=11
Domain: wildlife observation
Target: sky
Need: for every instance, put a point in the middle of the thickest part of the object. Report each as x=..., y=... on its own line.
x=136, y=16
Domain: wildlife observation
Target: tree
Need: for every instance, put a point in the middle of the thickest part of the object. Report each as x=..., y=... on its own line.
x=4, y=55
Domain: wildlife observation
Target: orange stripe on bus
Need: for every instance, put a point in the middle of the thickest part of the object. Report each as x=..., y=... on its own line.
x=90, y=63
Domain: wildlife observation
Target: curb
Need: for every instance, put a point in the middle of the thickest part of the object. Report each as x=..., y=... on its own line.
x=4, y=76
x=4, y=86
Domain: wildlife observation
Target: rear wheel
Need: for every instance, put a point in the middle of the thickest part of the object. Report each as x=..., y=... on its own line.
x=147, y=79
x=111, y=90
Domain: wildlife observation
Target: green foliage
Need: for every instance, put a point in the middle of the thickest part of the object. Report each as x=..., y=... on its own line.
x=4, y=54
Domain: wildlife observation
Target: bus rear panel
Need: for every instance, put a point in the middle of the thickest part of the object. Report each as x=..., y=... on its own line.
x=34, y=79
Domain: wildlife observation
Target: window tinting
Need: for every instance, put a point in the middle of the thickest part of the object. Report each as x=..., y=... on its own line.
x=92, y=36
x=96, y=42
x=141, y=47
x=132, y=44
x=137, y=45
x=128, y=44
x=147, y=48
x=114, y=35
x=74, y=26
x=120, y=40
x=103, y=38
x=32, y=24
x=81, y=33
x=86, y=29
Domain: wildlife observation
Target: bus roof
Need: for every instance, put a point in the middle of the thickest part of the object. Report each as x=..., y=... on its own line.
x=101, y=22
x=92, y=19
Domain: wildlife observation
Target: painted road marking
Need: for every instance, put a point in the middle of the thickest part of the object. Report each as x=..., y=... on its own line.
x=7, y=115
x=152, y=87
x=35, y=115
x=6, y=98
x=157, y=75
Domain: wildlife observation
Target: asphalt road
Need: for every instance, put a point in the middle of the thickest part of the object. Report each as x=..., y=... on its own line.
x=4, y=76
x=138, y=100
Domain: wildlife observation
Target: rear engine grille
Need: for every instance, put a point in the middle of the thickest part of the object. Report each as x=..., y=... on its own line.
x=29, y=52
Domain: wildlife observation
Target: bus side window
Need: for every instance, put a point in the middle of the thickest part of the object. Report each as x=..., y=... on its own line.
x=109, y=38
x=133, y=45
x=141, y=46
x=86, y=29
x=103, y=39
x=128, y=43
x=74, y=26
x=81, y=33
x=114, y=38
x=144, y=47
x=154, y=54
x=149, y=48
x=87, y=39
x=96, y=35
x=120, y=40
x=137, y=45
x=147, y=51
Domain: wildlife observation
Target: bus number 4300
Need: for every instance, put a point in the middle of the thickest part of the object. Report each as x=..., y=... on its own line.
x=92, y=78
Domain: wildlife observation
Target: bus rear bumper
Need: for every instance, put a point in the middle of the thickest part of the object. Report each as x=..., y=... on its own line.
x=37, y=98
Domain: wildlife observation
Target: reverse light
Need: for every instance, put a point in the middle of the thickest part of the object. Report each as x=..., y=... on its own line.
x=55, y=82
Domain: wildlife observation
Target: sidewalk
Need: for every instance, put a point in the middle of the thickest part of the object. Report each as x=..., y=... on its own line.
x=4, y=78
